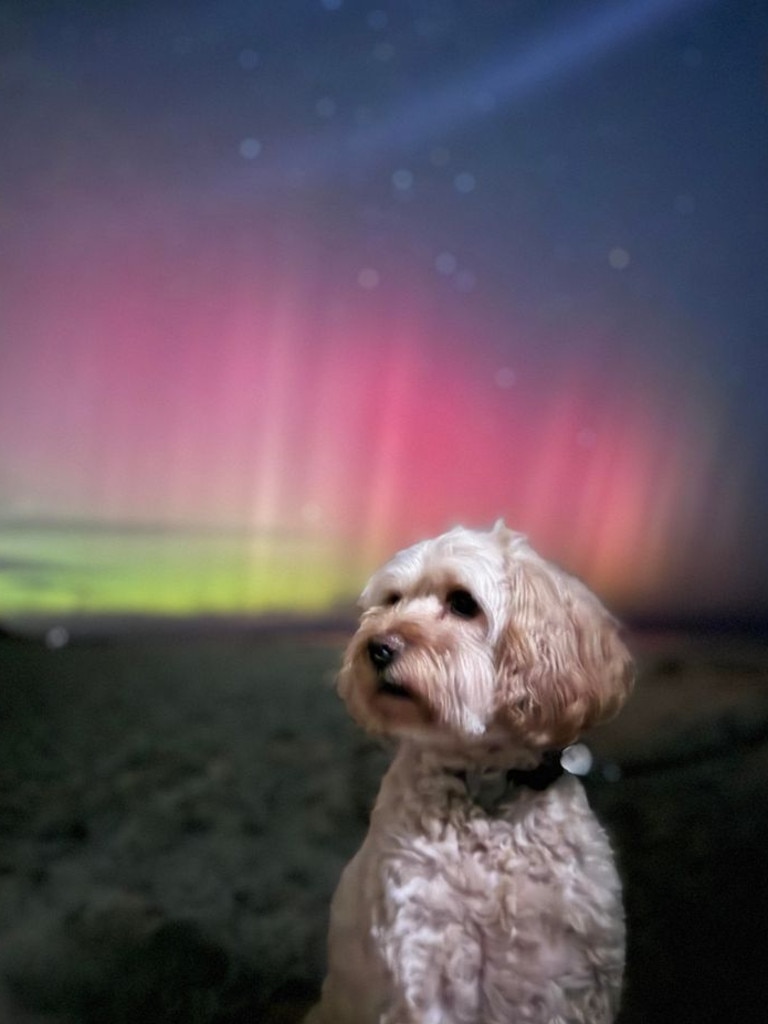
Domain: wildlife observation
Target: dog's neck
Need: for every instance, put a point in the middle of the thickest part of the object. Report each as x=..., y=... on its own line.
x=489, y=789
x=446, y=753
x=488, y=776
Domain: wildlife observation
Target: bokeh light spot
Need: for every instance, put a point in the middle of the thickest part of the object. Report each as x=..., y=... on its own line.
x=464, y=182
x=402, y=179
x=369, y=278
x=505, y=377
x=56, y=638
x=446, y=263
x=250, y=148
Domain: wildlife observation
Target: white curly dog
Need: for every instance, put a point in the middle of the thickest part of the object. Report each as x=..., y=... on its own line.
x=485, y=891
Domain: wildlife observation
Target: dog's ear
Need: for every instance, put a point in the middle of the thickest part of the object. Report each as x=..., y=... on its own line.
x=562, y=664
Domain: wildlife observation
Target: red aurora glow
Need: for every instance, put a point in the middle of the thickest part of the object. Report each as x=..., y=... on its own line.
x=287, y=413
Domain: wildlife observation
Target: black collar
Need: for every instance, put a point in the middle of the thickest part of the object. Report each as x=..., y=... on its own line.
x=489, y=788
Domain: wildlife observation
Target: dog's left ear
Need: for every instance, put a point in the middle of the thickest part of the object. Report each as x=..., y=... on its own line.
x=562, y=664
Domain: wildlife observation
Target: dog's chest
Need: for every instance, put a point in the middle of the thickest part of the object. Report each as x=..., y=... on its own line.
x=475, y=914
x=453, y=863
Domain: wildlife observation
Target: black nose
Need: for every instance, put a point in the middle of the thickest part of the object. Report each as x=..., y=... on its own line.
x=383, y=652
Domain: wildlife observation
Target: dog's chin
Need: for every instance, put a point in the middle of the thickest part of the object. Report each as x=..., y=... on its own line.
x=386, y=702
x=395, y=706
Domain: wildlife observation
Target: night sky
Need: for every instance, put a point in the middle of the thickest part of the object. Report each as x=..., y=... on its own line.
x=286, y=285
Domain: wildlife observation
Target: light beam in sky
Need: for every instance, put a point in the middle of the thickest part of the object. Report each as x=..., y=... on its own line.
x=504, y=79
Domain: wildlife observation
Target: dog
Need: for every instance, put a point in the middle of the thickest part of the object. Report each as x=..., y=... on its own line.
x=485, y=891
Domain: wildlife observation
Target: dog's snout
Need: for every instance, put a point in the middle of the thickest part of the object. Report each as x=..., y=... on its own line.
x=383, y=650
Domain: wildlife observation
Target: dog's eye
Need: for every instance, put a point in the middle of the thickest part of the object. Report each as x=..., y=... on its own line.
x=463, y=604
x=392, y=598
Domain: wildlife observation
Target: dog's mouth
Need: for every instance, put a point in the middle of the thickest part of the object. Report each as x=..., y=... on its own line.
x=389, y=688
x=397, y=704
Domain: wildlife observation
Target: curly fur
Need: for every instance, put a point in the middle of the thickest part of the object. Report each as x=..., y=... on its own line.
x=450, y=914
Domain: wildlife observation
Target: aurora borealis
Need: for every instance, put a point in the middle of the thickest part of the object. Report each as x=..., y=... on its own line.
x=288, y=285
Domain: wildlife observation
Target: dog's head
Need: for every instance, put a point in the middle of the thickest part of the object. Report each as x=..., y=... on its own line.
x=472, y=635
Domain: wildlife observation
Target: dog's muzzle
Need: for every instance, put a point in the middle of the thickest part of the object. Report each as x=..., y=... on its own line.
x=383, y=651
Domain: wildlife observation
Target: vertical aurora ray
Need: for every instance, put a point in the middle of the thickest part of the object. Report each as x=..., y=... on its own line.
x=396, y=397
x=273, y=397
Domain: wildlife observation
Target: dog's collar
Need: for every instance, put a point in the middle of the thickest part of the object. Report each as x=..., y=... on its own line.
x=490, y=788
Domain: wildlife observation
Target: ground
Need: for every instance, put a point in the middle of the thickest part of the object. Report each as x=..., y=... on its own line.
x=175, y=810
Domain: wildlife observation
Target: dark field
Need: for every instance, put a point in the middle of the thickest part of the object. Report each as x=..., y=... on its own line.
x=175, y=811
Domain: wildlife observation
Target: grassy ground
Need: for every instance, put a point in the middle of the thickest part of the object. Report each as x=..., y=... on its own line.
x=174, y=813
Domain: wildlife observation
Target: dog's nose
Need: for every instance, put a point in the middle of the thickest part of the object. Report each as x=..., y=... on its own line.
x=383, y=650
